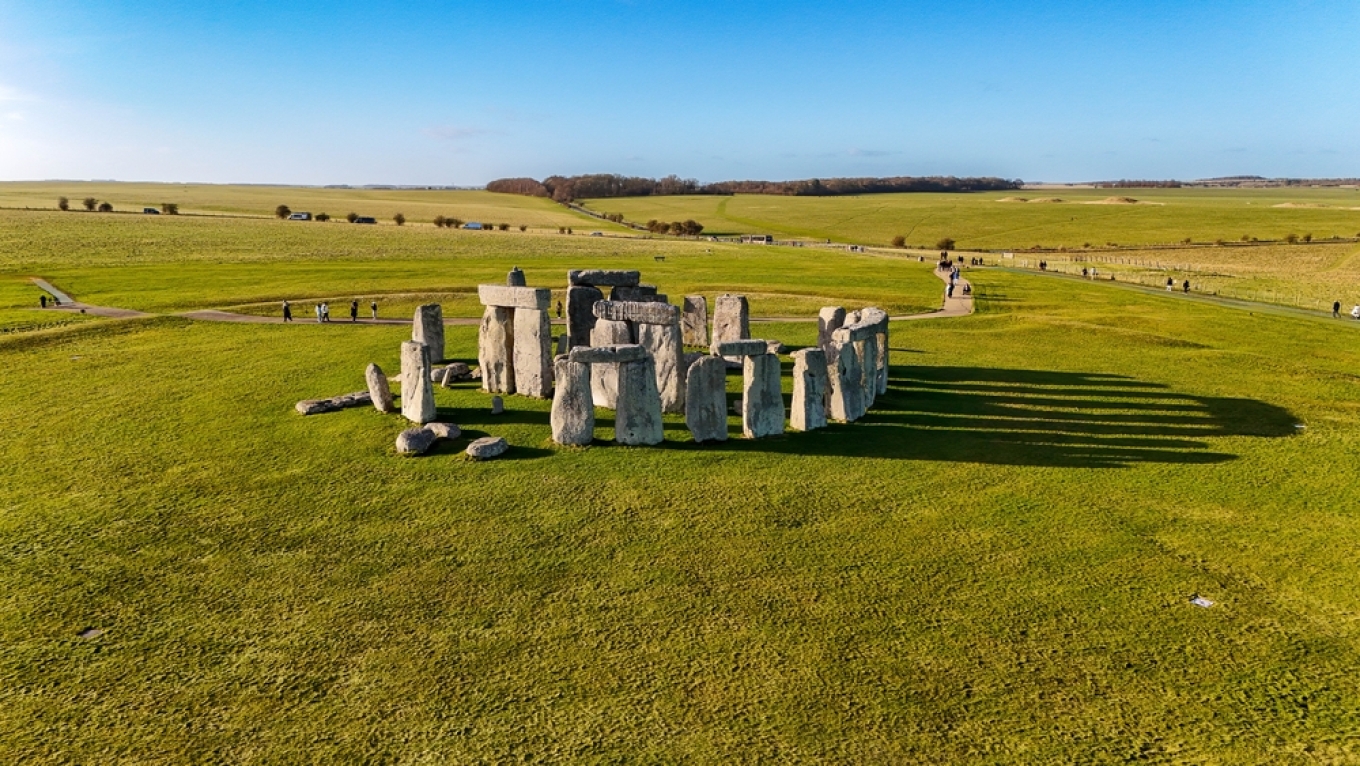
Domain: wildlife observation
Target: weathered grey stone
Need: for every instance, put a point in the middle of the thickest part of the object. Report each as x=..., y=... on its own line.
x=762, y=410
x=739, y=348
x=867, y=350
x=505, y=296
x=809, y=390
x=694, y=321
x=663, y=343
x=775, y=347
x=731, y=321
x=581, y=302
x=706, y=399
x=352, y=400
x=637, y=415
x=379, y=392
x=417, y=392
x=495, y=350
x=737, y=405
x=487, y=447
x=869, y=322
x=428, y=328
x=563, y=344
x=635, y=293
x=455, y=372
x=604, y=379
x=642, y=313
x=444, y=430
x=603, y=278
x=883, y=362
x=315, y=406
x=829, y=320
x=691, y=357
x=844, y=376
x=415, y=441
x=611, y=354
x=515, y=278
x=497, y=405
x=573, y=407
x=533, y=353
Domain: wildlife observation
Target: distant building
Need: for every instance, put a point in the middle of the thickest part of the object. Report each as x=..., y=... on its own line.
x=300, y=217
x=756, y=239
x=472, y=225
x=150, y=211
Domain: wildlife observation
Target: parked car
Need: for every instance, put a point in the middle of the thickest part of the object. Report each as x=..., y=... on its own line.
x=472, y=225
x=150, y=211
x=365, y=219
x=300, y=217
x=597, y=234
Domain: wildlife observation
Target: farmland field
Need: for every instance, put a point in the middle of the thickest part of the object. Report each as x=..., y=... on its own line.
x=995, y=565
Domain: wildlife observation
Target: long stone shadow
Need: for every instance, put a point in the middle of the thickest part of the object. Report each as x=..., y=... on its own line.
x=1030, y=417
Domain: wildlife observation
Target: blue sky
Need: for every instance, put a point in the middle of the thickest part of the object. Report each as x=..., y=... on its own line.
x=423, y=92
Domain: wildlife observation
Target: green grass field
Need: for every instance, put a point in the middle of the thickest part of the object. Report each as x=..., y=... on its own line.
x=983, y=221
x=994, y=566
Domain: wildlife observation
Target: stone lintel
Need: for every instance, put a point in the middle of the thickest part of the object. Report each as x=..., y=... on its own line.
x=644, y=313
x=604, y=278
x=505, y=296
x=607, y=354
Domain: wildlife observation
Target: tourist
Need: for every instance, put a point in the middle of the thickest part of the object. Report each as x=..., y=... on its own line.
x=287, y=312
x=949, y=291
x=1170, y=285
x=374, y=308
x=967, y=289
x=354, y=310
x=1336, y=310
x=1083, y=272
x=559, y=309
x=325, y=311
x=1355, y=313
x=43, y=300
x=318, y=313
x=1187, y=287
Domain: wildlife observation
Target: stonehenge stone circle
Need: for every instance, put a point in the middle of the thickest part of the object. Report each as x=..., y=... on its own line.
x=415, y=441
x=604, y=278
x=762, y=411
x=664, y=344
x=608, y=354
x=809, y=390
x=533, y=353
x=706, y=399
x=495, y=349
x=641, y=313
x=563, y=344
x=736, y=348
x=845, y=378
x=867, y=351
x=428, y=328
x=537, y=298
x=487, y=447
x=731, y=321
x=318, y=406
x=417, y=392
x=573, y=407
x=515, y=278
x=694, y=321
x=581, y=300
x=637, y=414
x=829, y=320
x=497, y=405
x=604, y=379
x=444, y=430
x=378, y=389
x=636, y=294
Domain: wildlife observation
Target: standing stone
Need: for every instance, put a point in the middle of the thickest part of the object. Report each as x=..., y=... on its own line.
x=573, y=408
x=378, y=389
x=694, y=321
x=533, y=353
x=809, y=390
x=843, y=373
x=495, y=350
x=563, y=344
x=731, y=321
x=581, y=301
x=497, y=405
x=417, y=392
x=663, y=342
x=428, y=328
x=867, y=350
x=637, y=417
x=604, y=379
x=706, y=399
x=762, y=409
x=829, y=320
x=883, y=362
x=515, y=278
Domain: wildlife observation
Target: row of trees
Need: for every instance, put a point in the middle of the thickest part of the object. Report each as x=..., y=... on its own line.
x=690, y=228
x=92, y=204
x=944, y=243
x=568, y=188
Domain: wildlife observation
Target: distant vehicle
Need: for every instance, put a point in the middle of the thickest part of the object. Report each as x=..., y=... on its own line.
x=472, y=225
x=365, y=219
x=597, y=234
x=300, y=217
x=150, y=211
x=757, y=239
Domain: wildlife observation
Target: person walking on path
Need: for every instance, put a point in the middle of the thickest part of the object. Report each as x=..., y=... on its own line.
x=354, y=310
x=1355, y=313
x=318, y=313
x=43, y=300
x=287, y=312
x=1170, y=285
x=374, y=308
x=949, y=291
x=1187, y=287
x=559, y=309
x=325, y=311
x=1336, y=310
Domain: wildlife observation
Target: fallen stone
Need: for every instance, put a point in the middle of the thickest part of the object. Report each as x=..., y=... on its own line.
x=637, y=414
x=738, y=348
x=497, y=405
x=533, y=353
x=487, y=447
x=455, y=372
x=694, y=321
x=415, y=441
x=604, y=379
x=731, y=321
x=316, y=406
x=505, y=296
x=581, y=302
x=706, y=399
x=608, y=354
x=444, y=430
x=642, y=313
x=428, y=328
x=515, y=278
x=477, y=374
x=603, y=278
x=379, y=392
x=663, y=344
x=495, y=350
x=829, y=320
x=809, y=390
x=762, y=410
x=352, y=400
x=573, y=407
x=417, y=392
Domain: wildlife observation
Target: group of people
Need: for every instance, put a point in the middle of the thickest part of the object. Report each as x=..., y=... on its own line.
x=323, y=311
x=1336, y=311
x=1171, y=285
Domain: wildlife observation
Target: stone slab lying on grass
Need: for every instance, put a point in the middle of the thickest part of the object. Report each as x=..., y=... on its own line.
x=487, y=447
x=642, y=313
x=505, y=296
x=604, y=277
x=317, y=406
x=415, y=441
x=455, y=372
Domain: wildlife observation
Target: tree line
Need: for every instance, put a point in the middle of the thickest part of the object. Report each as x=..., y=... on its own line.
x=568, y=188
